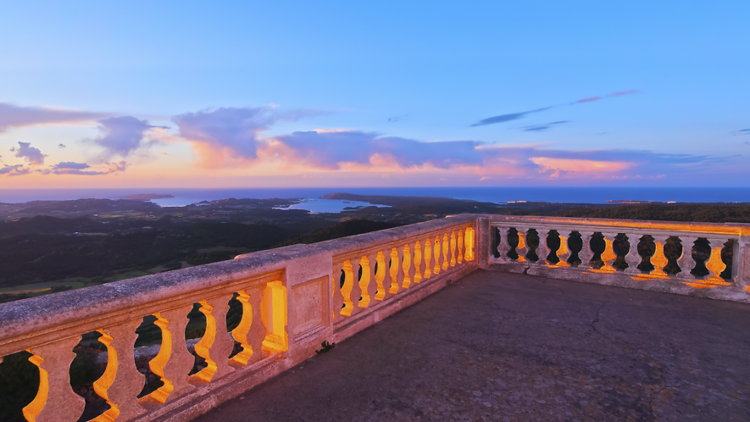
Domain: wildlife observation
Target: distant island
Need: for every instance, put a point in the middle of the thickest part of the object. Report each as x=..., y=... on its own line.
x=146, y=196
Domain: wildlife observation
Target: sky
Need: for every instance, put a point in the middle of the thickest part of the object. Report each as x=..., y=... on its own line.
x=374, y=94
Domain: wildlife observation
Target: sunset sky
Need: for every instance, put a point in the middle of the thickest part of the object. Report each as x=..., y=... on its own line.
x=386, y=93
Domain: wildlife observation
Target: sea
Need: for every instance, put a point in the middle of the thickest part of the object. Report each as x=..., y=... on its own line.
x=311, y=196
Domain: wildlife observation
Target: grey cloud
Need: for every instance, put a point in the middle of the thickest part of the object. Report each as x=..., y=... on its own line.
x=542, y=128
x=82, y=169
x=33, y=155
x=15, y=170
x=61, y=146
x=122, y=135
x=507, y=117
x=327, y=149
x=12, y=116
x=235, y=128
x=742, y=132
x=396, y=118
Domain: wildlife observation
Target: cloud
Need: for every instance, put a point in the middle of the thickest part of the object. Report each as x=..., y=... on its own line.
x=331, y=149
x=508, y=117
x=396, y=118
x=15, y=170
x=82, y=169
x=741, y=132
x=233, y=131
x=12, y=116
x=587, y=100
x=515, y=116
x=122, y=135
x=542, y=128
x=33, y=155
x=61, y=146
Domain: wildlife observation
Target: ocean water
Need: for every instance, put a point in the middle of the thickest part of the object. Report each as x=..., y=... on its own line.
x=592, y=195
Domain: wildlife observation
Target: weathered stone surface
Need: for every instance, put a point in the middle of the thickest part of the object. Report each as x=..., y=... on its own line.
x=508, y=347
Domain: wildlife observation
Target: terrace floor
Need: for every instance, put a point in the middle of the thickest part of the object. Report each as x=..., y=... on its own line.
x=507, y=347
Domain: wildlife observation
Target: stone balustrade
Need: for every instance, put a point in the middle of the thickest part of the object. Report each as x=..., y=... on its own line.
x=292, y=299
x=640, y=263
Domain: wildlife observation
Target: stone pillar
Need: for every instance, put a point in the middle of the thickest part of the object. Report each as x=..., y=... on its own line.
x=633, y=258
x=586, y=254
x=686, y=261
x=542, y=250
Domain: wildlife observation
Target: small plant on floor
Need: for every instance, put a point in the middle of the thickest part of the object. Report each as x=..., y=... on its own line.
x=326, y=347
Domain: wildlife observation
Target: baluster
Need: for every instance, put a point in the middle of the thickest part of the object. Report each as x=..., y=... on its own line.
x=250, y=332
x=586, y=254
x=55, y=400
x=346, y=289
x=453, y=248
x=121, y=381
x=356, y=293
x=542, y=251
x=686, y=261
x=503, y=247
x=215, y=346
x=406, y=266
x=427, y=258
x=368, y=284
x=659, y=260
x=382, y=277
x=633, y=258
x=395, y=270
x=522, y=249
x=563, y=253
x=469, y=237
x=436, y=252
x=417, y=262
x=609, y=254
x=460, y=246
x=173, y=362
x=445, y=247
x=338, y=297
x=714, y=264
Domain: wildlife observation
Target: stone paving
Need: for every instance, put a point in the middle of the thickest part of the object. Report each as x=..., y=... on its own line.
x=506, y=347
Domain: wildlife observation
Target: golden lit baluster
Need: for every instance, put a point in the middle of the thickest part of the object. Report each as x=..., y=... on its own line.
x=347, y=288
x=427, y=258
x=633, y=258
x=338, y=297
x=417, y=262
x=395, y=270
x=586, y=254
x=522, y=249
x=460, y=246
x=659, y=260
x=436, y=252
x=367, y=284
x=173, y=362
x=446, y=245
x=215, y=346
x=563, y=253
x=250, y=332
x=55, y=400
x=406, y=266
x=715, y=265
x=608, y=256
x=356, y=293
x=274, y=315
x=542, y=251
x=381, y=276
x=503, y=247
x=469, y=238
x=453, y=248
x=121, y=381
x=400, y=276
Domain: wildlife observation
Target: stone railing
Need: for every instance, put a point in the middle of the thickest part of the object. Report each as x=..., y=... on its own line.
x=509, y=250
x=292, y=300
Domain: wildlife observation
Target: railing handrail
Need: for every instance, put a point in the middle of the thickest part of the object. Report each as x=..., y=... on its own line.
x=54, y=316
x=733, y=229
